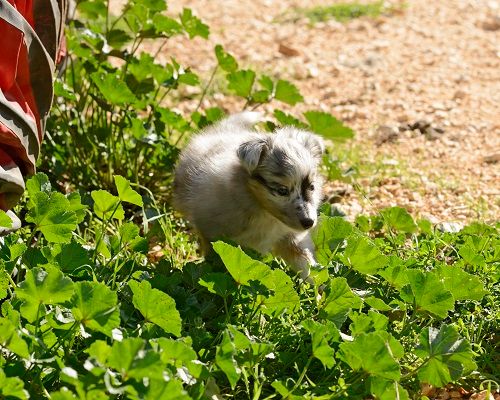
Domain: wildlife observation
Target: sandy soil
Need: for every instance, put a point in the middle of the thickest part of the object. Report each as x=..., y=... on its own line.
x=436, y=61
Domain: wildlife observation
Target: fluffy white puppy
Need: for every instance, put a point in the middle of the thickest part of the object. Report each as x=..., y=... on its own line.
x=260, y=190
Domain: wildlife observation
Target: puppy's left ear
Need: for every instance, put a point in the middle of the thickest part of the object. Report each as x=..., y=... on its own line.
x=250, y=153
x=309, y=140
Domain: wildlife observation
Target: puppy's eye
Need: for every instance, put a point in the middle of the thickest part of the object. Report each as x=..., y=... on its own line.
x=311, y=187
x=283, y=191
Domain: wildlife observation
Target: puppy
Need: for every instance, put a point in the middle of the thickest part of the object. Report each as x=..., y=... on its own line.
x=260, y=190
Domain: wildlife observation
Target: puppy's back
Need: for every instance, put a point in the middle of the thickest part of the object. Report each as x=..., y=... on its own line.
x=210, y=160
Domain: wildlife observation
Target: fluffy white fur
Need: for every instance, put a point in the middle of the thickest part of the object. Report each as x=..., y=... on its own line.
x=260, y=190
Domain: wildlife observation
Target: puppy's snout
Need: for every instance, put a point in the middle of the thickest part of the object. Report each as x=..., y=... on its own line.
x=307, y=222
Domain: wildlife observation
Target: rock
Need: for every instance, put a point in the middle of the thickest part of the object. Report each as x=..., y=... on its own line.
x=288, y=51
x=449, y=227
x=421, y=125
x=492, y=24
x=460, y=95
x=431, y=133
x=386, y=134
x=492, y=158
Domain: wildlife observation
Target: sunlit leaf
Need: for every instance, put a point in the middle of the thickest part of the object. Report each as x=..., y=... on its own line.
x=370, y=353
x=328, y=126
x=52, y=215
x=95, y=306
x=106, y=205
x=428, y=293
x=156, y=307
x=241, y=82
x=339, y=301
x=447, y=355
x=125, y=191
x=226, y=61
x=43, y=286
x=287, y=93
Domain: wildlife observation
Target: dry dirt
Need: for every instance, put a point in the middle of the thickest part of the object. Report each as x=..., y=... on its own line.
x=437, y=61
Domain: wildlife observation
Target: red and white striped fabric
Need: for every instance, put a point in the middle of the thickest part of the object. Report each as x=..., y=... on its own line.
x=31, y=43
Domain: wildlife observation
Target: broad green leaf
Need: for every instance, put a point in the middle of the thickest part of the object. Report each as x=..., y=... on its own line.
x=156, y=307
x=114, y=89
x=288, y=119
x=328, y=126
x=11, y=339
x=5, y=221
x=52, y=215
x=117, y=38
x=4, y=283
x=363, y=255
x=38, y=183
x=188, y=78
x=328, y=236
x=395, y=273
x=371, y=353
x=75, y=205
x=384, y=389
x=364, y=323
x=99, y=350
x=64, y=394
x=161, y=389
x=261, y=96
x=125, y=191
x=95, y=306
x=462, y=285
x=106, y=205
x=448, y=357
x=128, y=232
x=175, y=352
x=321, y=334
x=226, y=61
x=130, y=358
x=266, y=83
x=218, y=283
x=166, y=25
x=470, y=253
x=12, y=388
x=428, y=293
x=193, y=25
x=214, y=114
x=40, y=287
x=339, y=301
x=399, y=219
x=377, y=304
x=224, y=359
x=241, y=82
x=242, y=267
x=145, y=67
x=283, y=296
x=72, y=257
x=287, y=93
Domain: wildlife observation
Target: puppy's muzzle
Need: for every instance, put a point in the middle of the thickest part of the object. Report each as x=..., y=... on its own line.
x=307, y=223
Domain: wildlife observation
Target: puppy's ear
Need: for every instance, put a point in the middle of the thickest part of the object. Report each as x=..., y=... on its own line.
x=250, y=153
x=309, y=140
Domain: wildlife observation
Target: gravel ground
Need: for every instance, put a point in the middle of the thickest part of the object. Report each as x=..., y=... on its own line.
x=420, y=86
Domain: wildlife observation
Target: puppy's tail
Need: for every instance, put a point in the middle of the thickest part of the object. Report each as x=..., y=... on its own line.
x=245, y=119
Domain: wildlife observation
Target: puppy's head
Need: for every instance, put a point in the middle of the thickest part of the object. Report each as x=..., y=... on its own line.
x=283, y=175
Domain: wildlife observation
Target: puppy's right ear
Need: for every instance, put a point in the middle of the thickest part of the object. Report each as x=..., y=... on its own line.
x=250, y=153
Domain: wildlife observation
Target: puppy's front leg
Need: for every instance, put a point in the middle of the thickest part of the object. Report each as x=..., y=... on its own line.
x=299, y=254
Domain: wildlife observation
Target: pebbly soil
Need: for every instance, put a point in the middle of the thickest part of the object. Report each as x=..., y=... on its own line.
x=420, y=86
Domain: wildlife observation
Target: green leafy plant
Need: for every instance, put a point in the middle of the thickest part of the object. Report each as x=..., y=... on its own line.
x=102, y=294
x=93, y=316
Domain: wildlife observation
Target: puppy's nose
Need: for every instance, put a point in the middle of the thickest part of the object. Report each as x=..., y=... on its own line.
x=307, y=222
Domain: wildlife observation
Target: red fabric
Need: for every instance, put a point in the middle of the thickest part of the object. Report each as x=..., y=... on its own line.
x=15, y=76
